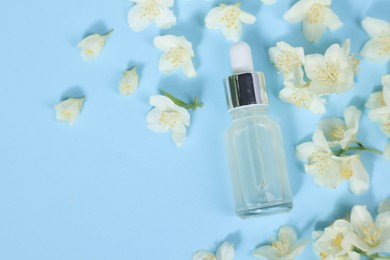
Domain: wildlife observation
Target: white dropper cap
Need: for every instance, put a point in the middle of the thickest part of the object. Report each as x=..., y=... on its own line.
x=241, y=58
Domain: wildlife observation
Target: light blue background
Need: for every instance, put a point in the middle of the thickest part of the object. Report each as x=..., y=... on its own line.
x=109, y=188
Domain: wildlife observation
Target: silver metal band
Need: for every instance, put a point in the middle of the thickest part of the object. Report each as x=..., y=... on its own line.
x=246, y=89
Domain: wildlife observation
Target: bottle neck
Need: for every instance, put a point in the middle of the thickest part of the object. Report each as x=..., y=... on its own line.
x=248, y=111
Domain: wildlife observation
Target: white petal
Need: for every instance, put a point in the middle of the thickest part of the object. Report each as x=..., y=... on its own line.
x=266, y=252
x=167, y=3
x=166, y=19
x=376, y=27
x=161, y=102
x=268, y=2
x=360, y=217
x=91, y=46
x=375, y=100
x=332, y=20
x=333, y=129
x=69, y=110
x=153, y=121
x=136, y=20
x=360, y=179
x=386, y=89
x=352, y=118
x=305, y=150
x=298, y=248
x=297, y=13
x=203, y=255
x=179, y=135
x=233, y=34
x=313, y=32
x=320, y=141
x=288, y=233
x=129, y=82
x=188, y=69
x=353, y=256
x=247, y=17
x=372, y=51
x=213, y=18
x=225, y=251
x=386, y=152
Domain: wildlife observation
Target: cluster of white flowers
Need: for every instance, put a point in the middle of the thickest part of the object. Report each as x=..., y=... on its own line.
x=307, y=79
x=361, y=236
x=328, y=157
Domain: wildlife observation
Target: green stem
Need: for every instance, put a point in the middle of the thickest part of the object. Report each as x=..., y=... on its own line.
x=363, y=148
x=194, y=105
x=377, y=256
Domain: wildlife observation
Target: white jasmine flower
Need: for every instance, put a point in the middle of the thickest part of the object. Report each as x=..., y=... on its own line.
x=224, y=252
x=351, y=168
x=92, y=45
x=229, y=19
x=332, y=72
x=384, y=206
x=129, y=82
x=368, y=235
x=379, y=103
x=331, y=243
x=285, y=248
x=386, y=152
x=320, y=161
x=340, y=132
x=69, y=110
x=316, y=16
x=178, y=53
x=378, y=47
x=288, y=60
x=166, y=115
x=299, y=94
x=144, y=12
x=268, y=2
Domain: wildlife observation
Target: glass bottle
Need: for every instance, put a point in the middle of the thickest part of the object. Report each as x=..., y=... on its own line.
x=254, y=143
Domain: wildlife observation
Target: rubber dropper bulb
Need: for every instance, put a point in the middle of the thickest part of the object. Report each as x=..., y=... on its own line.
x=241, y=58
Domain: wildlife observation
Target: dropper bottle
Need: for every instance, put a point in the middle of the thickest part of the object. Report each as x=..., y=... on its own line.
x=254, y=142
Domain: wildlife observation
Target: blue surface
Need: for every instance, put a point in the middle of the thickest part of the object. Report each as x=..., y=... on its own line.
x=109, y=188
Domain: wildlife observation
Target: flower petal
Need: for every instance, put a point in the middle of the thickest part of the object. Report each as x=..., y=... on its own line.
x=376, y=27
x=333, y=129
x=179, y=135
x=372, y=51
x=225, y=251
x=161, y=102
x=313, y=32
x=386, y=89
x=266, y=252
x=203, y=255
x=166, y=19
x=136, y=20
x=129, y=82
x=153, y=121
x=360, y=179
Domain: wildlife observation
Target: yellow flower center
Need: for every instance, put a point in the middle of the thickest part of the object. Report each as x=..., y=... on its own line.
x=386, y=127
x=383, y=45
x=338, y=240
x=286, y=62
x=176, y=56
x=282, y=246
x=89, y=51
x=169, y=118
x=231, y=18
x=67, y=114
x=320, y=160
x=327, y=73
x=371, y=234
x=301, y=99
x=149, y=10
x=337, y=132
x=316, y=14
x=127, y=86
x=347, y=172
x=323, y=255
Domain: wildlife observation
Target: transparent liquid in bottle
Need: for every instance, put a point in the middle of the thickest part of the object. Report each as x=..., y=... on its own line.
x=257, y=163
